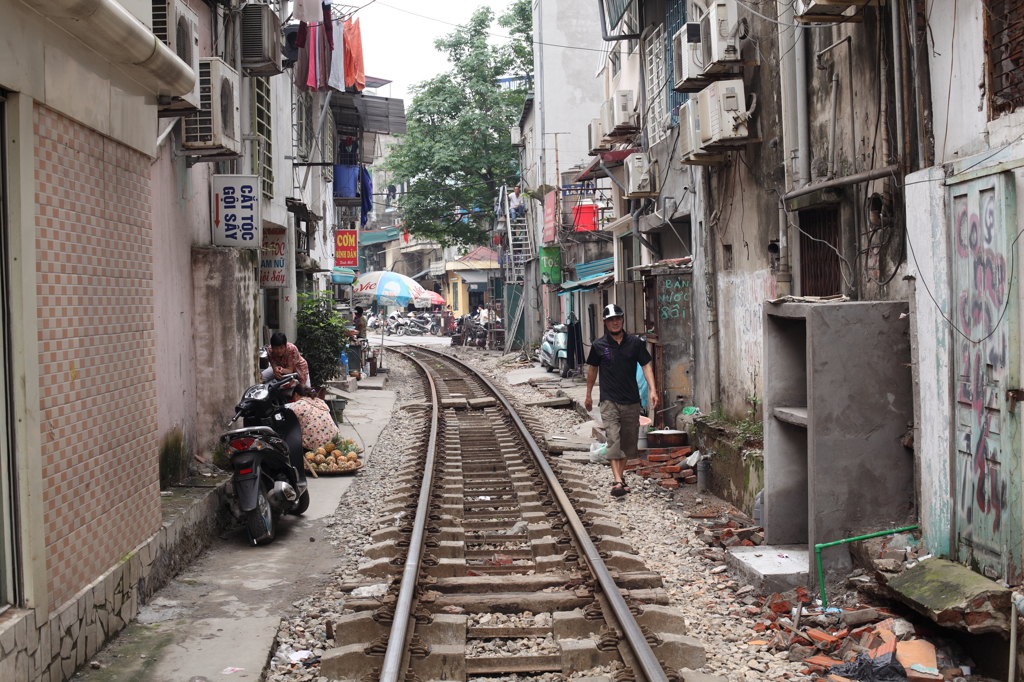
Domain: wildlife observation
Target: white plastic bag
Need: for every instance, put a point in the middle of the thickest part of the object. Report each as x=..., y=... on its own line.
x=595, y=414
x=598, y=453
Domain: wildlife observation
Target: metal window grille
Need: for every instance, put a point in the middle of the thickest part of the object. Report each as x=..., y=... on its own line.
x=631, y=26
x=327, y=146
x=262, y=127
x=655, y=110
x=1004, y=47
x=304, y=125
x=675, y=17
x=615, y=57
x=819, y=262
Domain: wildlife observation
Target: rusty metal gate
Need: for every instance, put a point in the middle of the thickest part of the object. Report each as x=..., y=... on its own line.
x=987, y=481
x=819, y=259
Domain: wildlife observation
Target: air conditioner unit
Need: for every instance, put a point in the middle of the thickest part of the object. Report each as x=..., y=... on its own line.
x=516, y=135
x=718, y=37
x=723, y=114
x=640, y=175
x=596, y=135
x=176, y=25
x=217, y=128
x=691, y=147
x=687, y=64
x=689, y=129
x=622, y=109
x=607, y=122
x=261, y=40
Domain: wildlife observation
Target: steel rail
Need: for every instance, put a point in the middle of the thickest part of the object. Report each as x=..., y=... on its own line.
x=392, y=668
x=649, y=665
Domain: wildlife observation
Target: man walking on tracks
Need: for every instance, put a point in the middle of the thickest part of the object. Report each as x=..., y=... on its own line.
x=617, y=354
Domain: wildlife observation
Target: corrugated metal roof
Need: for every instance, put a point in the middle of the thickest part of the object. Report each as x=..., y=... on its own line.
x=595, y=267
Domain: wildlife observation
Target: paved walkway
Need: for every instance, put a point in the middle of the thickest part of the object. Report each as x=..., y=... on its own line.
x=223, y=611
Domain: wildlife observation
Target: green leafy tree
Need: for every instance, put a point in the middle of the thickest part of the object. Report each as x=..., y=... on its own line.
x=323, y=334
x=456, y=152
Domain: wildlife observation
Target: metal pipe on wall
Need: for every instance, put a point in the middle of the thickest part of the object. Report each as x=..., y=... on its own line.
x=832, y=127
x=803, y=126
x=897, y=71
x=784, y=280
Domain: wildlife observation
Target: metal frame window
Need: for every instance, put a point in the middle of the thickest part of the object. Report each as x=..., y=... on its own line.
x=10, y=571
x=262, y=127
x=1004, y=49
x=655, y=109
x=615, y=57
x=630, y=26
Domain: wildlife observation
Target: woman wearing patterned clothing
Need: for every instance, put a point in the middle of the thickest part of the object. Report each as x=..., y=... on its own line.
x=318, y=427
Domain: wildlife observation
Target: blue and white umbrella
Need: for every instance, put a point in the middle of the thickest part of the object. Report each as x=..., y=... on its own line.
x=389, y=288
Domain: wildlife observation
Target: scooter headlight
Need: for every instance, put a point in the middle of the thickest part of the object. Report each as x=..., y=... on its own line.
x=257, y=392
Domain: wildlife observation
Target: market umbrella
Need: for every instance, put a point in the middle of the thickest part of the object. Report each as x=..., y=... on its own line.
x=388, y=288
x=436, y=298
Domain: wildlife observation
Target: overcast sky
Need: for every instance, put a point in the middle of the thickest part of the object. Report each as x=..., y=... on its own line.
x=399, y=46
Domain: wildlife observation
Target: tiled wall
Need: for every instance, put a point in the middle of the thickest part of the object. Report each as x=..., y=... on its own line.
x=96, y=351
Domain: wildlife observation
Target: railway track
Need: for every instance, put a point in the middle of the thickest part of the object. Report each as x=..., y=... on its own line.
x=487, y=541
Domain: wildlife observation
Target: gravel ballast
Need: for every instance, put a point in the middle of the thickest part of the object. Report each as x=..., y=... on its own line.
x=652, y=520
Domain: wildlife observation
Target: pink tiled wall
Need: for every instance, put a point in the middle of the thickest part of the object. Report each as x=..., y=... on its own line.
x=97, y=366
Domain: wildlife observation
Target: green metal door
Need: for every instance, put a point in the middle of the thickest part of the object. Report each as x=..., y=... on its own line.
x=987, y=365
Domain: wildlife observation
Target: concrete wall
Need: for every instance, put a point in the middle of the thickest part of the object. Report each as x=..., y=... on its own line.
x=846, y=471
x=225, y=352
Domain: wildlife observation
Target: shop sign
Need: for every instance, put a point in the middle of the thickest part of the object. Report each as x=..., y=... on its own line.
x=273, y=259
x=550, y=265
x=550, y=215
x=346, y=248
x=236, y=217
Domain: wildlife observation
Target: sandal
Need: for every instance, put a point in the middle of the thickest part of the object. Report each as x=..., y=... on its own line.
x=618, y=489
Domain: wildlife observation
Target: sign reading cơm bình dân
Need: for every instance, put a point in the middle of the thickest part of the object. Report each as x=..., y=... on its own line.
x=236, y=216
x=346, y=248
x=273, y=259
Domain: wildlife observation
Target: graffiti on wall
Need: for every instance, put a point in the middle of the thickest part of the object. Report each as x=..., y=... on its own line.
x=985, y=315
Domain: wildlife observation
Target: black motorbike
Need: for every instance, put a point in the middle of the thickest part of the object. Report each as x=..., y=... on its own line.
x=269, y=477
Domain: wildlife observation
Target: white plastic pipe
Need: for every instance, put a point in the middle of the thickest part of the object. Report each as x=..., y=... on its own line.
x=119, y=37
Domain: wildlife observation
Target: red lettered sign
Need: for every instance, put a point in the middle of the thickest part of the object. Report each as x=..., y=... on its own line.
x=346, y=248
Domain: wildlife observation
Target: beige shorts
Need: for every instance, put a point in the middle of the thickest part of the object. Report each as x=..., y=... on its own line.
x=622, y=427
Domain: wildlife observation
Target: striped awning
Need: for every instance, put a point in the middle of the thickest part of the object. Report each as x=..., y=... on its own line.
x=595, y=267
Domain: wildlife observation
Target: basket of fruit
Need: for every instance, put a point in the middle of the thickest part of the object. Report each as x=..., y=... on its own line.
x=338, y=457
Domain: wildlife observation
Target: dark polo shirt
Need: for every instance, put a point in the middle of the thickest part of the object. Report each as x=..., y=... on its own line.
x=618, y=363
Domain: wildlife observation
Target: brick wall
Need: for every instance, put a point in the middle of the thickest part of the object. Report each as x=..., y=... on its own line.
x=97, y=368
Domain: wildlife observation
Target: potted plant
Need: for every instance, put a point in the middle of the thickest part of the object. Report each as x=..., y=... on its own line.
x=323, y=335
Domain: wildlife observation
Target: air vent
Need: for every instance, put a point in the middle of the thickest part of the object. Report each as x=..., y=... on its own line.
x=261, y=40
x=215, y=129
x=183, y=40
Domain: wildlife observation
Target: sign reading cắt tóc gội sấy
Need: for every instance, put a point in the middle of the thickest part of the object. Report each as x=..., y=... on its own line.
x=236, y=219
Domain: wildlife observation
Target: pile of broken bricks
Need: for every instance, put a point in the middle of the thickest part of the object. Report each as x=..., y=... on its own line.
x=833, y=637
x=727, y=530
x=669, y=467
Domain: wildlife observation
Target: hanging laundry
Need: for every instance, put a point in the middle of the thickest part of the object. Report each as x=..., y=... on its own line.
x=354, y=75
x=329, y=25
x=366, y=189
x=301, y=69
x=348, y=151
x=337, y=79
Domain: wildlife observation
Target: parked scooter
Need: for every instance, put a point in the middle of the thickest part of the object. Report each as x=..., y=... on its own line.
x=395, y=324
x=554, y=347
x=269, y=478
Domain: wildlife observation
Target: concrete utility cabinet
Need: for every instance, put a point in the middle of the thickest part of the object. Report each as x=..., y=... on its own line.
x=837, y=404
